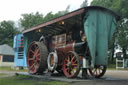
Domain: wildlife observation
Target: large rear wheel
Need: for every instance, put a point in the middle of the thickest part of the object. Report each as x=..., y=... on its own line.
x=37, y=57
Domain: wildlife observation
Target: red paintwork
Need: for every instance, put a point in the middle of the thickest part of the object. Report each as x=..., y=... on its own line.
x=21, y=46
x=68, y=47
x=21, y=43
x=21, y=40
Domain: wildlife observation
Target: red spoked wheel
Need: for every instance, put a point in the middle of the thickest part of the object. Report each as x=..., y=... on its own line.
x=98, y=71
x=36, y=57
x=71, y=65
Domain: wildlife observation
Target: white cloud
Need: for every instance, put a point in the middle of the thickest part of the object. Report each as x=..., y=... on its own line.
x=12, y=9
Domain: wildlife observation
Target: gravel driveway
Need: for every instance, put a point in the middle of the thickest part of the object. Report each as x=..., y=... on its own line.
x=112, y=77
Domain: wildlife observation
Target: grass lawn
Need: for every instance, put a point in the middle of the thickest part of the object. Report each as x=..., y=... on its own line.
x=27, y=80
x=10, y=69
x=3, y=74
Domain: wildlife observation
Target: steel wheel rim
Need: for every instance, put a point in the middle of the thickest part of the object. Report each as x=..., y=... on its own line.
x=71, y=66
x=33, y=58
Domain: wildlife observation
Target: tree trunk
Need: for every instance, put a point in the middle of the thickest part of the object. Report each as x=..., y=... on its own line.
x=124, y=52
x=113, y=49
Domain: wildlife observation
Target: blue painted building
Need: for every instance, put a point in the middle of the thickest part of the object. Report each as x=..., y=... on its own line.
x=19, y=53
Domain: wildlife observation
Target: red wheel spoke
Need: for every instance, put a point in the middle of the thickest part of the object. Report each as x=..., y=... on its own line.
x=32, y=51
x=74, y=64
x=36, y=52
x=72, y=58
x=32, y=66
x=30, y=59
x=75, y=61
x=38, y=58
x=35, y=66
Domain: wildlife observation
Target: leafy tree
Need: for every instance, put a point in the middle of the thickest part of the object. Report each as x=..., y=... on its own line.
x=121, y=7
x=7, y=32
x=30, y=20
x=50, y=15
x=84, y=4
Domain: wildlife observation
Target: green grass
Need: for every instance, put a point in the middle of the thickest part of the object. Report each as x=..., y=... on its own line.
x=27, y=80
x=112, y=66
x=10, y=69
x=1, y=74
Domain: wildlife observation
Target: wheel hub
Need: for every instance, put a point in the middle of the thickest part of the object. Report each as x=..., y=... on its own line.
x=69, y=64
x=34, y=57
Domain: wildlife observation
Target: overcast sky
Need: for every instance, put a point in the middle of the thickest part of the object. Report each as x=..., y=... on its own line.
x=12, y=9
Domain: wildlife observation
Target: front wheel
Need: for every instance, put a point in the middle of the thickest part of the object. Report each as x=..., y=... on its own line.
x=98, y=71
x=71, y=65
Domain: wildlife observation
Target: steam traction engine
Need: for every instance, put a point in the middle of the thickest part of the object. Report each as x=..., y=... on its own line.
x=77, y=40
x=66, y=56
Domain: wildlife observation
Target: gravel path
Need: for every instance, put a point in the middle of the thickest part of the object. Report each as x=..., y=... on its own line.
x=112, y=77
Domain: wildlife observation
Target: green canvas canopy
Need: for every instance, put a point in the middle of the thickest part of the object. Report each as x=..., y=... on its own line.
x=99, y=26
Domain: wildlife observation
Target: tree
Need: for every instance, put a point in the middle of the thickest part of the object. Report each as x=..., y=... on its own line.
x=122, y=38
x=50, y=15
x=84, y=4
x=121, y=7
x=30, y=20
x=7, y=32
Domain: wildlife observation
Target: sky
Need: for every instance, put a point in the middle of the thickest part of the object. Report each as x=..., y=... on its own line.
x=12, y=9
